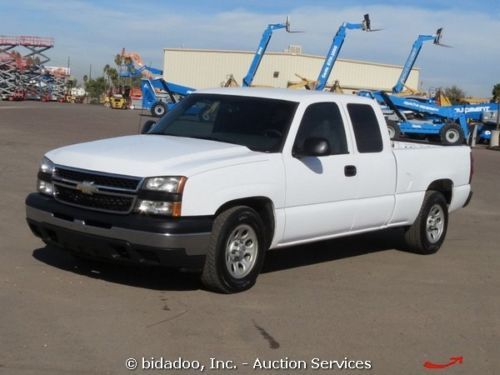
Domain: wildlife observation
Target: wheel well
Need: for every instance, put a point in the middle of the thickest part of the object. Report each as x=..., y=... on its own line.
x=445, y=187
x=262, y=205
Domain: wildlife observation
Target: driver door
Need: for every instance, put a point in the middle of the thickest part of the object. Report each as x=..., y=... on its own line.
x=320, y=190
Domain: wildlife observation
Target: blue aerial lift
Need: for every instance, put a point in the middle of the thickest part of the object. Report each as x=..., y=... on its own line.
x=408, y=66
x=335, y=48
x=412, y=57
x=449, y=124
x=158, y=95
x=261, y=49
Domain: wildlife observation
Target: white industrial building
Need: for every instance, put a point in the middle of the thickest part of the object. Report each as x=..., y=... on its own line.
x=199, y=68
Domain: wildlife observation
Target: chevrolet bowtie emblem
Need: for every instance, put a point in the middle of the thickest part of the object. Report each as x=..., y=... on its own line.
x=87, y=187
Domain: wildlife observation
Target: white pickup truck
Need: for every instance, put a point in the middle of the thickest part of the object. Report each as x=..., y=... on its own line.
x=231, y=173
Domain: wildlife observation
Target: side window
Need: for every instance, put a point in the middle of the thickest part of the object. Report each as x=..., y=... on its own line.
x=366, y=128
x=323, y=120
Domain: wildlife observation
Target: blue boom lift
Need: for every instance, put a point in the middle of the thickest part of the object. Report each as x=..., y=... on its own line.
x=158, y=95
x=261, y=49
x=335, y=48
x=408, y=66
x=449, y=124
x=412, y=57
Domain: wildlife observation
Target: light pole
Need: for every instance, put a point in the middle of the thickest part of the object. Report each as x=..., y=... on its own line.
x=498, y=114
x=495, y=134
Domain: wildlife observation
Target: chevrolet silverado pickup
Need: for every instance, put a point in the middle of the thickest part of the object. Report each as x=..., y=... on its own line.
x=231, y=173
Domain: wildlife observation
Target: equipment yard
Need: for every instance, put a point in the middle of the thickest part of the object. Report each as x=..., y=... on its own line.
x=357, y=298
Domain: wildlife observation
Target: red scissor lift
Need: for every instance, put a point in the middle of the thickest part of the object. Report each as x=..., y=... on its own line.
x=21, y=66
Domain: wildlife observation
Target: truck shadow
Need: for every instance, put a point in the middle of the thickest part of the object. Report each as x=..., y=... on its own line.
x=330, y=250
x=158, y=278
x=147, y=277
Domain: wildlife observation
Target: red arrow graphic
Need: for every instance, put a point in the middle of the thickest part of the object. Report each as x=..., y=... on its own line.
x=453, y=361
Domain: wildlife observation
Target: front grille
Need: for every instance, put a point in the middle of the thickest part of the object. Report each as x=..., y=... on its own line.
x=129, y=183
x=101, y=202
x=108, y=192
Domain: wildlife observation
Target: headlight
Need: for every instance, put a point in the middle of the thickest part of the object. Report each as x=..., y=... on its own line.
x=45, y=187
x=161, y=196
x=158, y=207
x=47, y=166
x=167, y=184
x=44, y=184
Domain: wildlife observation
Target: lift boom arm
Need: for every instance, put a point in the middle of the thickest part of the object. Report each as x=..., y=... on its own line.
x=261, y=49
x=412, y=57
x=335, y=48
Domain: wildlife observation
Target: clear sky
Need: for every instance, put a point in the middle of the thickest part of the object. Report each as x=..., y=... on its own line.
x=92, y=32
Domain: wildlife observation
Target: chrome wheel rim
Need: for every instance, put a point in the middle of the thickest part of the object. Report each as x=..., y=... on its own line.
x=435, y=224
x=452, y=135
x=392, y=132
x=241, y=251
x=159, y=110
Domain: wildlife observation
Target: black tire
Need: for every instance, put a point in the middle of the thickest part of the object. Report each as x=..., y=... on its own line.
x=217, y=274
x=451, y=134
x=418, y=237
x=159, y=109
x=393, y=129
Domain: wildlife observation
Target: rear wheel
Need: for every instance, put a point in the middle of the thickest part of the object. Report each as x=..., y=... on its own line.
x=159, y=109
x=393, y=129
x=428, y=232
x=235, y=252
x=451, y=134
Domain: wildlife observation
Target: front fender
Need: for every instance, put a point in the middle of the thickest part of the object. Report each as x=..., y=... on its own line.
x=205, y=192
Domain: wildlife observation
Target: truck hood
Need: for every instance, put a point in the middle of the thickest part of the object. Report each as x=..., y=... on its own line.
x=153, y=155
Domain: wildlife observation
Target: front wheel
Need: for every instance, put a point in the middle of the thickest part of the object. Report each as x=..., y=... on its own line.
x=159, y=109
x=235, y=252
x=393, y=129
x=452, y=134
x=428, y=232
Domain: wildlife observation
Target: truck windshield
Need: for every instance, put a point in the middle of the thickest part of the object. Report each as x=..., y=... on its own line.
x=260, y=124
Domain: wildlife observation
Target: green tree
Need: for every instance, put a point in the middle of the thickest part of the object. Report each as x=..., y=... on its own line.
x=96, y=87
x=119, y=59
x=496, y=92
x=455, y=94
x=113, y=76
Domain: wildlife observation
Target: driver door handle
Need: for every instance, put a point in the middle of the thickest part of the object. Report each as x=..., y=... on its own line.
x=350, y=170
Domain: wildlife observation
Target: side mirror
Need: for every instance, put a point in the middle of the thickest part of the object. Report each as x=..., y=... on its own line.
x=148, y=125
x=315, y=146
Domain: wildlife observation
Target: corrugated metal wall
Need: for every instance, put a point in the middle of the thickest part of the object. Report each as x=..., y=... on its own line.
x=210, y=68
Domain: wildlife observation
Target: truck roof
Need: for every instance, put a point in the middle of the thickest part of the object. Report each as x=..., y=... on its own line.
x=286, y=94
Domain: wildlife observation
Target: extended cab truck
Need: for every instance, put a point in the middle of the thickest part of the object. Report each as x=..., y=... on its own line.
x=230, y=173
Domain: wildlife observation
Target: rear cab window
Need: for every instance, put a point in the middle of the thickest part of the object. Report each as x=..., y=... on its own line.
x=366, y=128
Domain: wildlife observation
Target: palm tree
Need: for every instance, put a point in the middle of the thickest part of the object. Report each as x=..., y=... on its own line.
x=496, y=92
x=106, y=73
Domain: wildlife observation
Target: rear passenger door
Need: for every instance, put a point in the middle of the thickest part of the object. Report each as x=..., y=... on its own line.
x=319, y=190
x=376, y=169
